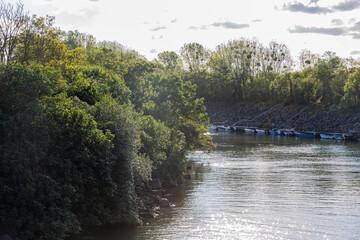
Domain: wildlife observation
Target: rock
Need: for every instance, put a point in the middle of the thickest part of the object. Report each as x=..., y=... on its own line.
x=164, y=203
x=5, y=237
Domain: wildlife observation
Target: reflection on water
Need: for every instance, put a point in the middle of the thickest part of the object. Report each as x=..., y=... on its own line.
x=263, y=187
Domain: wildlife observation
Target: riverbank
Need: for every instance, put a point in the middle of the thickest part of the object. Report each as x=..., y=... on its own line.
x=291, y=116
x=154, y=197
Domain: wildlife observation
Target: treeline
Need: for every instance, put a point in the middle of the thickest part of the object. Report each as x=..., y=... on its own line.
x=83, y=124
x=243, y=71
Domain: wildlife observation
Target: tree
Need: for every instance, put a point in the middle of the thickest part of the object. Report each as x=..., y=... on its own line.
x=75, y=39
x=195, y=57
x=21, y=85
x=171, y=60
x=308, y=59
x=351, y=99
x=220, y=68
x=324, y=72
x=280, y=57
x=238, y=60
x=40, y=41
x=12, y=19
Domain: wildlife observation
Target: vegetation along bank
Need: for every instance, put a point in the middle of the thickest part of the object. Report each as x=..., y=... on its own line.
x=84, y=125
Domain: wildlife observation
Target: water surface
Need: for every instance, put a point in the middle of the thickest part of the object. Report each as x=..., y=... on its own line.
x=263, y=187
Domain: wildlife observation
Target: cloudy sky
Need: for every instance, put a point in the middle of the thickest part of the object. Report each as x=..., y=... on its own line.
x=153, y=26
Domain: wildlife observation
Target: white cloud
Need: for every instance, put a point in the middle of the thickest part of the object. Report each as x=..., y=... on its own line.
x=347, y=5
x=320, y=30
x=158, y=29
x=300, y=7
x=230, y=25
x=337, y=22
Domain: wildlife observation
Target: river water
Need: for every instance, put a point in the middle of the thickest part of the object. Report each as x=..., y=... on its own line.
x=262, y=187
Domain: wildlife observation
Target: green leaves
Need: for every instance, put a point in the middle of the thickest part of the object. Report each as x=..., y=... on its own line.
x=21, y=85
x=351, y=99
x=170, y=60
x=85, y=124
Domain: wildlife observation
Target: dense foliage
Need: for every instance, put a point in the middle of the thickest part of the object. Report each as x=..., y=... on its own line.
x=83, y=124
x=243, y=71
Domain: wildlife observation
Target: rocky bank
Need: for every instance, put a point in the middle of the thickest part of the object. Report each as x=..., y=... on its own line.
x=287, y=116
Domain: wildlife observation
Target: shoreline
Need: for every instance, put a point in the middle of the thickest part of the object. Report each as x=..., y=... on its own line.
x=154, y=200
x=301, y=118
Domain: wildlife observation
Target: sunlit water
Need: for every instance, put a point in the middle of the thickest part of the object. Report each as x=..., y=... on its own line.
x=262, y=187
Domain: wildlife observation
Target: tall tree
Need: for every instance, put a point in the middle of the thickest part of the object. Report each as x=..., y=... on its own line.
x=75, y=39
x=351, y=99
x=40, y=41
x=195, y=57
x=171, y=60
x=281, y=60
x=308, y=59
x=12, y=19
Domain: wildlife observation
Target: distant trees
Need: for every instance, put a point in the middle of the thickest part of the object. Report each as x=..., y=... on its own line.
x=351, y=99
x=195, y=57
x=307, y=59
x=170, y=59
x=75, y=39
x=243, y=70
x=231, y=71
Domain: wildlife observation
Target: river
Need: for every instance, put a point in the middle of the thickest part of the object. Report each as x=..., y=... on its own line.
x=262, y=187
